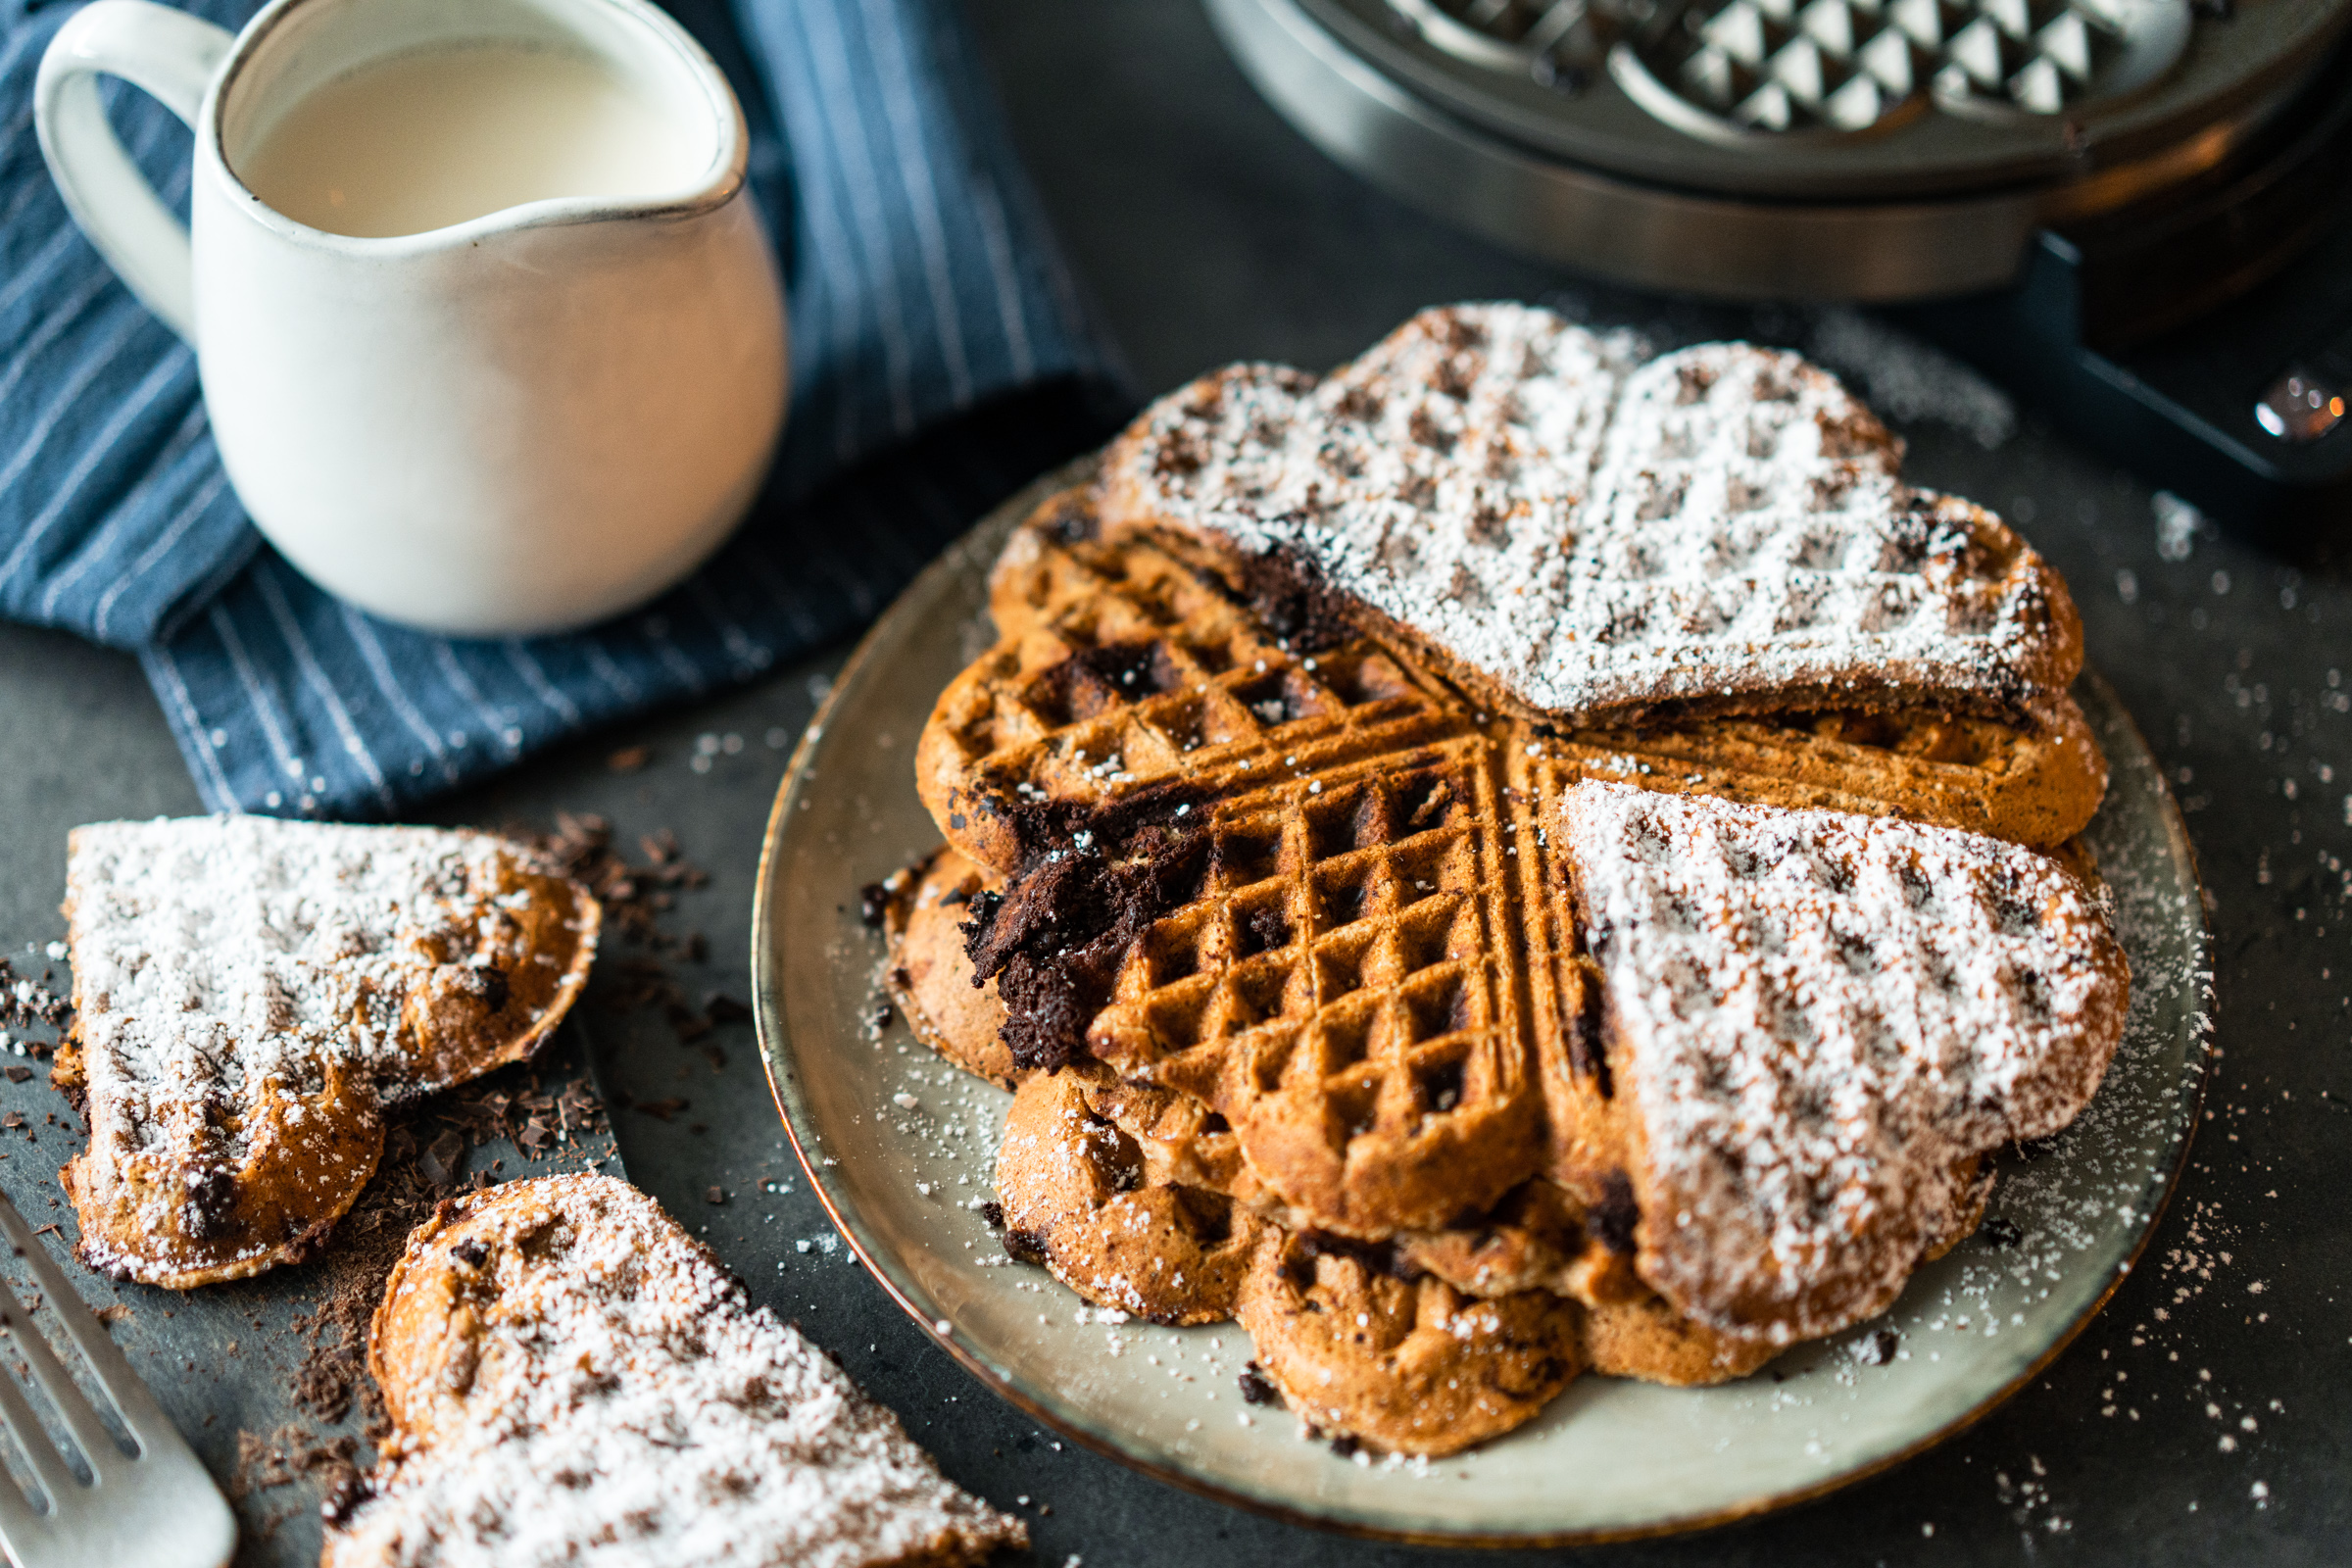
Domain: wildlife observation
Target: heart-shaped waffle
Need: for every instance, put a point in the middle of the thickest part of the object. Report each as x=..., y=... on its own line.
x=570, y=1378
x=1817, y=1023
x=249, y=993
x=1567, y=529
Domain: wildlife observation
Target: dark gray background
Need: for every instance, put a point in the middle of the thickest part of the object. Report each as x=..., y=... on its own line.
x=2200, y=1419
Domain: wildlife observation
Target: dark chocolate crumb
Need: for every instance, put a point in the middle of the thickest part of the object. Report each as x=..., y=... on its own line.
x=1612, y=1221
x=1255, y=1390
x=2002, y=1232
x=1879, y=1349
x=992, y=1213
x=715, y=1195
x=1344, y=1445
x=873, y=902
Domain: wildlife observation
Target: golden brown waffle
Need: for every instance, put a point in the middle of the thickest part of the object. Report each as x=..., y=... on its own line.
x=1407, y=1366
x=1268, y=788
x=1537, y=1237
x=930, y=974
x=1339, y=1113
x=249, y=993
x=1121, y=671
x=1816, y=1024
x=1341, y=988
x=572, y=1378
x=1078, y=1200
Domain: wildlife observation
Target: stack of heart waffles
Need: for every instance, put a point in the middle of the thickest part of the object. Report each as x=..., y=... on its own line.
x=1508, y=860
x=250, y=994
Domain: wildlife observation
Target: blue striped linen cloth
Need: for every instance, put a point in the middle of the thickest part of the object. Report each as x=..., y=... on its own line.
x=938, y=358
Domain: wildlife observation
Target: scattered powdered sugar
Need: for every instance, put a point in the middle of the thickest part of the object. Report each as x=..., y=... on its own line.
x=1910, y=380
x=1822, y=1020
x=624, y=1406
x=1596, y=534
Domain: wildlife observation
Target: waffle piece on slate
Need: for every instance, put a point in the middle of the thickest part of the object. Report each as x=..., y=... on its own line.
x=1817, y=1023
x=250, y=993
x=572, y=1379
x=1565, y=529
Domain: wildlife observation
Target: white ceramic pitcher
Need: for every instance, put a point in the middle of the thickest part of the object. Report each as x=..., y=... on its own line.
x=515, y=424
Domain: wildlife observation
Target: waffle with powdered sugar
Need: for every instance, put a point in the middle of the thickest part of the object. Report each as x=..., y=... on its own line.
x=1818, y=1023
x=574, y=1379
x=1590, y=537
x=249, y=993
x=1272, y=814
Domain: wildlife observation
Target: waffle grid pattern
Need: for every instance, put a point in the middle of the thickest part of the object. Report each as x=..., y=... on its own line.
x=1345, y=974
x=1122, y=669
x=1944, y=993
x=1588, y=536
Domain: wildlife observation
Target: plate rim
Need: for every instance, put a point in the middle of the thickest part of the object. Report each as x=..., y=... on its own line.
x=775, y=1042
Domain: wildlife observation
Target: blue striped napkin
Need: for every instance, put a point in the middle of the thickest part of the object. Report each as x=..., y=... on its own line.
x=938, y=358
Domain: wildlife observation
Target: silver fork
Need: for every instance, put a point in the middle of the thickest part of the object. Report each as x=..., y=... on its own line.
x=157, y=1508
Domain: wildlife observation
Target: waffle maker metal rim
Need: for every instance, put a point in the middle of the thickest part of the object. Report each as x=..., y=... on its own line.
x=1883, y=217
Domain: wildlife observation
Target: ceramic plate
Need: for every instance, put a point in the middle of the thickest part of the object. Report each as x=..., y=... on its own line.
x=898, y=1145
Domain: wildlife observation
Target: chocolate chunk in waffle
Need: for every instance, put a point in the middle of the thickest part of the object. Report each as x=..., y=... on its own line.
x=572, y=1378
x=1565, y=529
x=249, y=993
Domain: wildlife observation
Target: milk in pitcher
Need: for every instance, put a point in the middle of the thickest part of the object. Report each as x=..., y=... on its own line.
x=425, y=140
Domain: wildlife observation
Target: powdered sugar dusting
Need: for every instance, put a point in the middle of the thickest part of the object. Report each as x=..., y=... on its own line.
x=1596, y=534
x=624, y=1406
x=238, y=979
x=1822, y=1020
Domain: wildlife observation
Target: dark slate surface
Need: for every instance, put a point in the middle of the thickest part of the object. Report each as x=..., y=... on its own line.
x=2199, y=1420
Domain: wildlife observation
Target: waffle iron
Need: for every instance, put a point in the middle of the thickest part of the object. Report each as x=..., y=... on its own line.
x=2136, y=214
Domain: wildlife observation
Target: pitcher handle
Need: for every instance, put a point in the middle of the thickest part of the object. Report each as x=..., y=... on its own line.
x=163, y=52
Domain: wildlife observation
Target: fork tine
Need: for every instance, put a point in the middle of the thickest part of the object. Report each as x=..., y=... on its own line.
x=22, y=1522
x=141, y=1416
x=97, y=1444
x=49, y=1467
